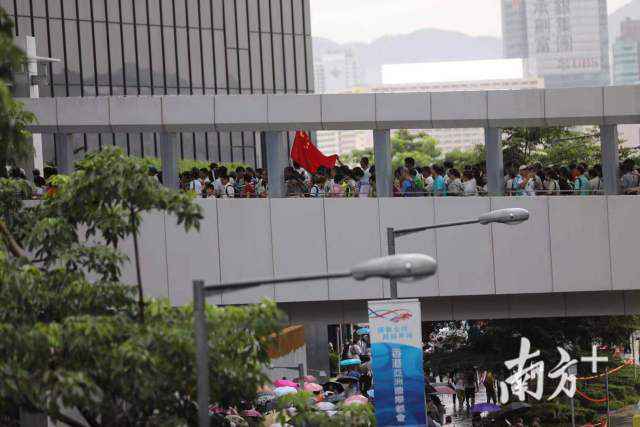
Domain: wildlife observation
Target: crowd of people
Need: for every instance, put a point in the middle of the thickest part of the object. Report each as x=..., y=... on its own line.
x=410, y=180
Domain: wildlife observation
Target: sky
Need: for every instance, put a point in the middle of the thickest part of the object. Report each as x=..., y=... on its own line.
x=365, y=20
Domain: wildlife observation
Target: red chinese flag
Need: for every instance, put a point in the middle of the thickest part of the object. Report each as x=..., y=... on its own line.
x=308, y=156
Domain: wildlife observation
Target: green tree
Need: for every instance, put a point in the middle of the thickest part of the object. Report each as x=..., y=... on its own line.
x=14, y=138
x=72, y=338
x=422, y=147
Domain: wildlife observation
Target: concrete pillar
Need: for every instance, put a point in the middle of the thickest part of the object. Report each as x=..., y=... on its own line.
x=316, y=336
x=64, y=152
x=495, y=164
x=275, y=145
x=610, y=158
x=384, y=170
x=169, y=157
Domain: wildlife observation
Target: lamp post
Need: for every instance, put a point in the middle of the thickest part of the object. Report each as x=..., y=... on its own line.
x=511, y=216
x=391, y=267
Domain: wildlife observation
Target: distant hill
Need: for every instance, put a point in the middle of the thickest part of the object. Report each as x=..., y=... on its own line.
x=630, y=10
x=426, y=45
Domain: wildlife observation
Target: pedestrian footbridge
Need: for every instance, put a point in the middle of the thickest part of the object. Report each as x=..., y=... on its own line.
x=576, y=256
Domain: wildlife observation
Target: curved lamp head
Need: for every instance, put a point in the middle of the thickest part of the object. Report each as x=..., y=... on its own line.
x=510, y=216
x=403, y=266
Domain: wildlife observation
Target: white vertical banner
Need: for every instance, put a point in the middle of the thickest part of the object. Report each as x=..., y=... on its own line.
x=395, y=328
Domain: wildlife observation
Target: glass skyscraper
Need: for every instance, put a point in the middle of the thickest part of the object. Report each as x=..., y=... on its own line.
x=181, y=47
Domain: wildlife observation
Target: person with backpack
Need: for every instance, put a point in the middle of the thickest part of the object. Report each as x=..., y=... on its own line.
x=439, y=186
x=229, y=191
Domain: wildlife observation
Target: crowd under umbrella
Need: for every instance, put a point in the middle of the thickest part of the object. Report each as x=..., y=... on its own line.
x=516, y=408
x=479, y=408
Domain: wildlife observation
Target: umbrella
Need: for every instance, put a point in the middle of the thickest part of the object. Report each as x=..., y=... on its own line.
x=313, y=387
x=326, y=406
x=484, y=407
x=282, y=391
x=284, y=383
x=251, y=413
x=371, y=393
x=307, y=379
x=516, y=407
x=363, y=331
x=350, y=362
x=443, y=389
x=356, y=399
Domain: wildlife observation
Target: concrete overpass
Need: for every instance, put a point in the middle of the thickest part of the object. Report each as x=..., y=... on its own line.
x=576, y=256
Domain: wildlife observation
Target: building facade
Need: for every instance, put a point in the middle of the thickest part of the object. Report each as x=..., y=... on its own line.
x=337, y=71
x=626, y=54
x=181, y=47
x=564, y=41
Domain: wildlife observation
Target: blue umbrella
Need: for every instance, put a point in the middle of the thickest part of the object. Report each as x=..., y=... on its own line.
x=363, y=331
x=485, y=407
x=350, y=362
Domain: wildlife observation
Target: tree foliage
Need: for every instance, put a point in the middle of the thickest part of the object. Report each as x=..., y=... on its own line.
x=71, y=337
x=14, y=138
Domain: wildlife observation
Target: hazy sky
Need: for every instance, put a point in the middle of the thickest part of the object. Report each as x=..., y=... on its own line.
x=364, y=20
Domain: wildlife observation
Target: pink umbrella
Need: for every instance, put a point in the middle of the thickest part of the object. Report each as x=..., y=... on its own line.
x=308, y=379
x=312, y=387
x=251, y=413
x=356, y=399
x=284, y=383
x=443, y=389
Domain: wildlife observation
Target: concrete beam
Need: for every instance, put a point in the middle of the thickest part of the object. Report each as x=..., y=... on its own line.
x=135, y=113
x=574, y=106
x=46, y=112
x=349, y=111
x=509, y=108
x=241, y=112
x=78, y=114
x=459, y=109
x=403, y=111
x=288, y=112
x=621, y=104
x=188, y=113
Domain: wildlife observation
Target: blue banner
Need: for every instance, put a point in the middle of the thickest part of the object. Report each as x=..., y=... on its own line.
x=396, y=348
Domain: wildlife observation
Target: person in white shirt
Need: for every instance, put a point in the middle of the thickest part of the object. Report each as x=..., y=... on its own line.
x=196, y=184
x=530, y=182
x=228, y=192
x=469, y=183
x=428, y=180
x=364, y=164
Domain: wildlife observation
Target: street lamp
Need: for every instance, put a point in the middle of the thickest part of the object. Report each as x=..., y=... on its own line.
x=511, y=216
x=393, y=267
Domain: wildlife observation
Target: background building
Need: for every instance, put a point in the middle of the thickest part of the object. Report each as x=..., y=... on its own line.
x=147, y=47
x=626, y=54
x=337, y=71
x=564, y=41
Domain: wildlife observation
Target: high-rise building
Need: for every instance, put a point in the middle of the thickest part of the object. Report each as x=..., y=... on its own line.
x=626, y=54
x=182, y=47
x=337, y=71
x=564, y=41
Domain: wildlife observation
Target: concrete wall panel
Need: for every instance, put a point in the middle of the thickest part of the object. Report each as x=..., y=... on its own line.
x=595, y=304
x=135, y=113
x=299, y=247
x=75, y=114
x=579, y=243
x=403, y=111
x=349, y=111
x=465, y=263
x=353, y=235
x=241, y=112
x=407, y=213
x=436, y=309
x=526, y=306
x=459, y=109
x=45, y=111
x=574, y=106
x=624, y=211
x=516, y=108
x=287, y=112
x=481, y=307
x=521, y=252
x=621, y=104
x=188, y=113
x=245, y=247
x=193, y=255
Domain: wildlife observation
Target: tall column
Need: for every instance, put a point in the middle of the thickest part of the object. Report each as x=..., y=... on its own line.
x=317, y=340
x=495, y=164
x=384, y=171
x=610, y=159
x=169, y=157
x=277, y=160
x=64, y=152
